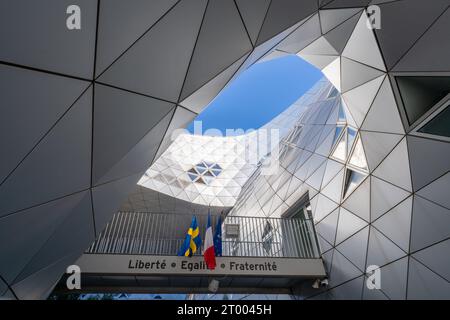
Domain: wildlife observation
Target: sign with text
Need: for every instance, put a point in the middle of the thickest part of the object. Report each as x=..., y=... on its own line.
x=174, y=265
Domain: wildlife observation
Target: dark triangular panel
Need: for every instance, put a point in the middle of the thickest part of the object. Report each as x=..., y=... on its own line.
x=181, y=118
x=327, y=226
x=342, y=270
x=34, y=34
x=429, y=224
x=431, y=51
x=222, y=41
x=253, y=13
x=439, y=125
x=399, y=31
x=204, y=95
x=73, y=235
x=323, y=3
x=425, y=165
x=396, y=224
x=420, y=94
x=436, y=258
x=59, y=165
x=3, y=288
x=350, y=290
x=156, y=65
x=424, y=284
x=381, y=250
x=330, y=19
x=384, y=196
x=121, y=120
x=394, y=279
x=305, y=34
x=339, y=36
x=30, y=104
x=267, y=47
x=121, y=23
x=107, y=198
x=40, y=284
x=283, y=14
x=437, y=191
x=17, y=251
x=346, y=3
x=140, y=156
x=355, y=248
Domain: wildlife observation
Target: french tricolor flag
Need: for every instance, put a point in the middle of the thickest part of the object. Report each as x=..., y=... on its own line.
x=208, y=253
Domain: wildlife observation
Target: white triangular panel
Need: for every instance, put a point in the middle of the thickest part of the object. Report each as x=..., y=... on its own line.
x=358, y=157
x=359, y=99
x=381, y=250
x=348, y=225
x=396, y=224
x=377, y=146
x=383, y=115
x=359, y=201
x=384, y=197
x=362, y=45
x=333, y=73
x=395, y=168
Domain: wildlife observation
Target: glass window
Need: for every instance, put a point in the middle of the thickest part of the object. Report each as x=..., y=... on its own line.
x=333, y=93
x=337, y=133
x=341, y=149
x=420, y=94
x=200, y=169
x=193, y=177
x=351, y=134
x=341, y=116
x=358, y=158
x=352, y=180
x=440, y=125
x=204, y=172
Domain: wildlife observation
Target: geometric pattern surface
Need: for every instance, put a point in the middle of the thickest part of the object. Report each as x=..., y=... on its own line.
x=376, y=186
x=364, y=215
x=143, y=199
x=84, y=113
x=211, y=170
x=201, y=169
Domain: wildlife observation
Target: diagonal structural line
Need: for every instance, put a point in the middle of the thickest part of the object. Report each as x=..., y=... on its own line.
x=126, y=50
x=193, y=51
x=45, y=135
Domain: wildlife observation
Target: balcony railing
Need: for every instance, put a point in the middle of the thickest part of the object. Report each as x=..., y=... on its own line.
x=145, y=233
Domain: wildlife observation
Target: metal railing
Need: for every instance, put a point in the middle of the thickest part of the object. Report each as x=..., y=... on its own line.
x=163, y=234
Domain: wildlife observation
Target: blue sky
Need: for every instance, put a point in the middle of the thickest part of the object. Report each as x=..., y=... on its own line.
x=259, y=94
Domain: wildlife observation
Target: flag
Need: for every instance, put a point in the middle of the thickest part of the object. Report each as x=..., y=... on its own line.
x=192, y=241
x=208, y=253
x=218, y=238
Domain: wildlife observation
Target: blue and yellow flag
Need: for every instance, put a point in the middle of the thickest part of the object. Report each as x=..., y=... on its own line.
x=192, y=242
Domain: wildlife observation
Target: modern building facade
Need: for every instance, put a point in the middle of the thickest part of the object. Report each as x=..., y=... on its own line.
x=211, y=170
x=86, y=112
